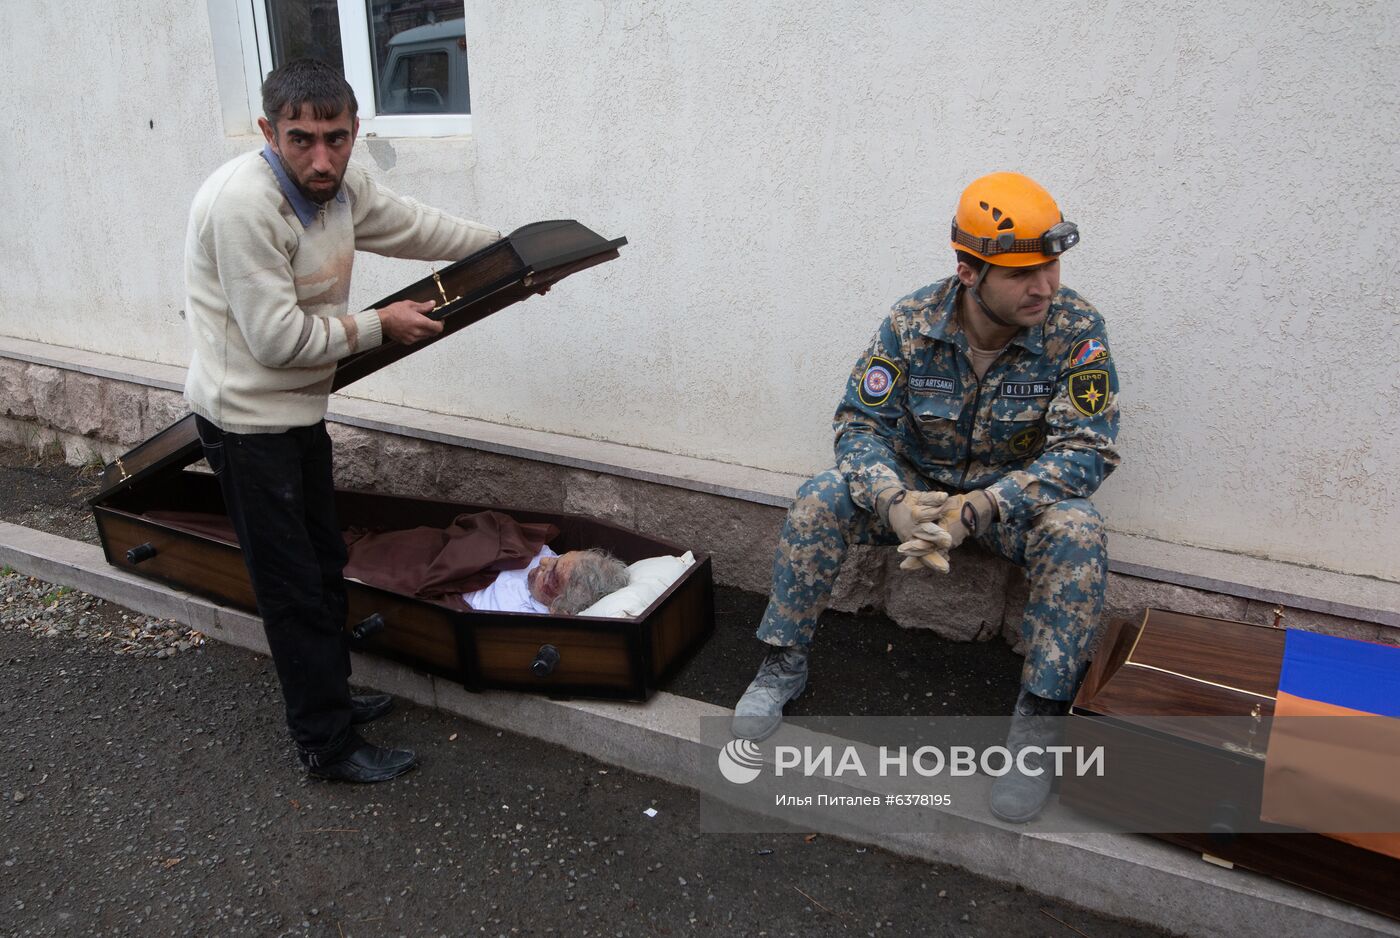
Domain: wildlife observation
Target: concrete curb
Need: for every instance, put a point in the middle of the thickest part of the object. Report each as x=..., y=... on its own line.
x=1125, y=875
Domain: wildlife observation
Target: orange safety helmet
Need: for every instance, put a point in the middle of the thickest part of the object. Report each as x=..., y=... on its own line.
x=1008, y=220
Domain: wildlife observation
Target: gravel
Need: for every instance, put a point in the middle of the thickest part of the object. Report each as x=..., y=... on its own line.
x=46, y=611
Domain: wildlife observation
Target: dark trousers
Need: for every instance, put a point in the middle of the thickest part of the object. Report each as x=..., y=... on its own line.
x=281, y=500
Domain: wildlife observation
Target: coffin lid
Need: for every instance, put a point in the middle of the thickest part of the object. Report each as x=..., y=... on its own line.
x=1209, y=681
x=1184, y=665
x=514, y=268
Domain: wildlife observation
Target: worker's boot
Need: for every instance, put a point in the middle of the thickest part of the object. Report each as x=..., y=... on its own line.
x=1019, y=796
x=780, y=678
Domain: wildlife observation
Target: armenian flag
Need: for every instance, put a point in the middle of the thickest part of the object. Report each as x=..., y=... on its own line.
x=1345, y=765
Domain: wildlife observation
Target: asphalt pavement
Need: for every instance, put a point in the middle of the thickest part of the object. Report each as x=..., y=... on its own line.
x=160, y=796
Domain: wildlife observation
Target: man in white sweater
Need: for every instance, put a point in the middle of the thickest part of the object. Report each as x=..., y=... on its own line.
x=271, y=242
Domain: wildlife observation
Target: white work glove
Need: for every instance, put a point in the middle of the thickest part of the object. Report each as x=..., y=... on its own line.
x=958, y=518
x=913, y=516
x=964, y=516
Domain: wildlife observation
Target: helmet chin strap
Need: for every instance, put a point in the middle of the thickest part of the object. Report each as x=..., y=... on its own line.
x=987, y=310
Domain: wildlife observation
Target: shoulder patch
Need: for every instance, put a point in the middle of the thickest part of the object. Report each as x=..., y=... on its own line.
x=1088, y=391
x=878, y=381
x=1087, y=352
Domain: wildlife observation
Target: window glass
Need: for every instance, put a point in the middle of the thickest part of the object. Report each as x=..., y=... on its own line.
x=418, y=83
x=305, y=28
x=419, y=50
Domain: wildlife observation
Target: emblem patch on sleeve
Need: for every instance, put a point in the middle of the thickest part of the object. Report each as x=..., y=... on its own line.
x=1087, y=352
x=1088, y=391
x=1027, y=441
x=878, y=381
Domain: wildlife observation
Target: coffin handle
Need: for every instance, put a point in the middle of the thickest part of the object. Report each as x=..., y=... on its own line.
x=546, y=660
x=140, y=553
x=1226, y=820
x=370, y=624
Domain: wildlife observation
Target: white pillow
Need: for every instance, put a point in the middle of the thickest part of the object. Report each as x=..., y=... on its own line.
x=628, y=602
x=666, y=569
x=646, y=580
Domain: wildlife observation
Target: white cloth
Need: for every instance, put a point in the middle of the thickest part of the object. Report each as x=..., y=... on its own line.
x=510, y=591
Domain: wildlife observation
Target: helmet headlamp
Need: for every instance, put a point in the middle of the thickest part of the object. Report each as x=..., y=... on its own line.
x=1059, y=239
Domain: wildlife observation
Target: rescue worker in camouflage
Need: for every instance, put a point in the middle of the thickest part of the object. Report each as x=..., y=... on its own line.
x=985, y=407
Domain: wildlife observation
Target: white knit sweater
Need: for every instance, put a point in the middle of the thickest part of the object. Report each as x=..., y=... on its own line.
x=267, y=297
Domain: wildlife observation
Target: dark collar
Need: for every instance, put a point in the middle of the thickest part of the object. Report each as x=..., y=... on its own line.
x=306, y=209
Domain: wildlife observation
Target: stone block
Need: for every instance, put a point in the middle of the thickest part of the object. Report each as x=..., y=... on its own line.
x=19, y=432
x=162, y=409
x=356, y=456
x=1128, y=596
x=599, y=496
x=16, y=396
x=81, y=410
x=406, y=466
x=485, y=478
x=966, y=604
x=46, y=393
x=861, y=583
x=122, y=407
x=82, y=450
x=377, y=461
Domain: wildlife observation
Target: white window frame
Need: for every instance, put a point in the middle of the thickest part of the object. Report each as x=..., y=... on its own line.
x=255, y=42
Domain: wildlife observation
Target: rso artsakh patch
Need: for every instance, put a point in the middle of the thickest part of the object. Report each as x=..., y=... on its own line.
x=1087, y=352
x=878, y=381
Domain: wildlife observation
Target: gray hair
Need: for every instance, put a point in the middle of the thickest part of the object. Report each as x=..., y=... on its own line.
x=595, y=574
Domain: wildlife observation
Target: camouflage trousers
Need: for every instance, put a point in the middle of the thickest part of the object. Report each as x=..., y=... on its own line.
x=1062, y=549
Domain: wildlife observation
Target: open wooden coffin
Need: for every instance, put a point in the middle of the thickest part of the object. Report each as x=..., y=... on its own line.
x=586, y=656
x=1187, y=701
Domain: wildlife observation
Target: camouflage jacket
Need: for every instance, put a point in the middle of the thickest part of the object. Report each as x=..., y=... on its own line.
x=1040, y=427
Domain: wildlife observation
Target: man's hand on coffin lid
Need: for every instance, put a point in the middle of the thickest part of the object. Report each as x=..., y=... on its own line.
x=404, y=322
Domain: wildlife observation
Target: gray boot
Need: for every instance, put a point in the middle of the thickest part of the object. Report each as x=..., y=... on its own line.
x=1036, y=721
x=781, y=678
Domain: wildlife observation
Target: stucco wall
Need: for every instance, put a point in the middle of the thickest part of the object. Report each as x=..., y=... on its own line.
x=784, y=172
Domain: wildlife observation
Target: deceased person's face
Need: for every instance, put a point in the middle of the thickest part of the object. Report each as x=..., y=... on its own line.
x=548, y=579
